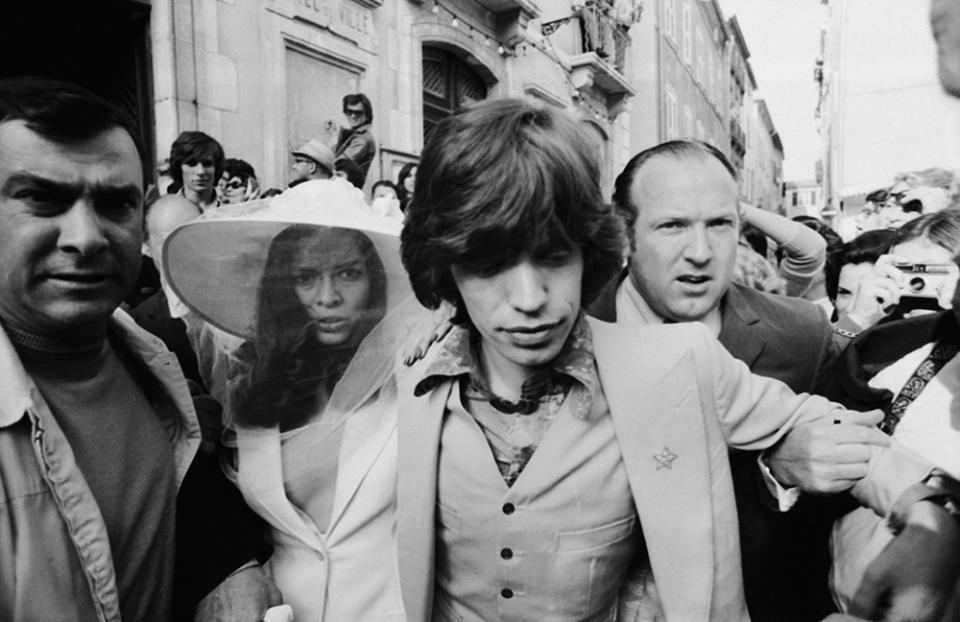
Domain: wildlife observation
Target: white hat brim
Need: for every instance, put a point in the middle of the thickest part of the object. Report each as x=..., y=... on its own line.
x=215, y=266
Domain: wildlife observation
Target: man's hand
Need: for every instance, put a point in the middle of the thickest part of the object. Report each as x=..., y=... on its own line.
x=244, y=596
x=826, y=457
x=915, y=576
x=432, y=330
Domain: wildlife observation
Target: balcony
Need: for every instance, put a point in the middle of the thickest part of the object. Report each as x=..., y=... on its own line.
x=499, y=7
x=604, y=33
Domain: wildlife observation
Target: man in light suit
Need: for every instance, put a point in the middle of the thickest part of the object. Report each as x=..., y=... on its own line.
x=680, y=204
x=554, y=467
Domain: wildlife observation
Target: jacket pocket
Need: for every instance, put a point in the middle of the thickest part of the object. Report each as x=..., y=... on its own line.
x=595, y=537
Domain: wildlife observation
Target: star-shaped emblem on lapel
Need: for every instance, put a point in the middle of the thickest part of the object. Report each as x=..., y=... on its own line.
x=665, y=459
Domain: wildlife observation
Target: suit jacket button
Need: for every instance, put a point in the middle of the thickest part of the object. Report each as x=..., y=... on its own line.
x=508, y=508
x=506, y=592
x=506, y=553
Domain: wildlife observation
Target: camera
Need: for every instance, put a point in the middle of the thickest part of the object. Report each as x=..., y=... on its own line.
x=924, y=281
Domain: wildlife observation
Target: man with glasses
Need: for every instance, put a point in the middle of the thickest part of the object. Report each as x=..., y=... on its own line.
x=314, y=160
x=356, y=143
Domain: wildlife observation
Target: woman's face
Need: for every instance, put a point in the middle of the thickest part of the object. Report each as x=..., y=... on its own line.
x=848, y=284
x=411, y=179
x=232, y=190
x=333, y=285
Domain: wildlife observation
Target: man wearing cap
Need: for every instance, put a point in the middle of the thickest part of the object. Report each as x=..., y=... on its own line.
x=107, y=510
x=314, y=160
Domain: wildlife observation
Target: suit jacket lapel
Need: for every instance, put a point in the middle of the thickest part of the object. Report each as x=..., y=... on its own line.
x=365, y=436
x=261, y=477
x=739, y=332
x=660, y=428
x=419, y=421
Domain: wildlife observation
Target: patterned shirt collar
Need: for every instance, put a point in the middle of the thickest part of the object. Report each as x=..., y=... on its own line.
x=456, y=358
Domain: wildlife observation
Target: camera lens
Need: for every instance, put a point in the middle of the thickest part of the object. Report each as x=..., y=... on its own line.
x=917, y=284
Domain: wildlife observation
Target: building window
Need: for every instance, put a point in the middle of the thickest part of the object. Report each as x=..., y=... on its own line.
x=671, y=108
x=687, y=122
x=687, y=33
x=795, y=193
x=670, y=19
x=813, y=197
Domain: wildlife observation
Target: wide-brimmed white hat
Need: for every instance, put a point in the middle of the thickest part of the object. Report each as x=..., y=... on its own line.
x=215, y=265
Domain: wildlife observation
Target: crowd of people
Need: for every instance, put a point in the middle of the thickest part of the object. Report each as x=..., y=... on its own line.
x=199, y=170
x=483, y=392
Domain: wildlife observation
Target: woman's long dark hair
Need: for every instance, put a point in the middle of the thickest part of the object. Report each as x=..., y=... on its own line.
x=402, y=193
x=286, y=366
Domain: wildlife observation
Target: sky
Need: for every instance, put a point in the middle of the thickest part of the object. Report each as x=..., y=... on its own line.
x=783, y=37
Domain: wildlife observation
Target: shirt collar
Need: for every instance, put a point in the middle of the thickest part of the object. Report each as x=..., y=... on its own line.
x=455, y=357
x=632, y=308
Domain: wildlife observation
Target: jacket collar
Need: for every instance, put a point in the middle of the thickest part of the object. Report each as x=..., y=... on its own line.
x=454, y=357
x=21, y=395
x=738, y=326
x=19, y=392
x=735, y=305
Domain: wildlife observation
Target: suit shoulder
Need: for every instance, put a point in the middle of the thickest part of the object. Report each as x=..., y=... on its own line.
x=794, y=314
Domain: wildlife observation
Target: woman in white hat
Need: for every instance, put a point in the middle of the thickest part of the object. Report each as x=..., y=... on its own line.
x=314, y=285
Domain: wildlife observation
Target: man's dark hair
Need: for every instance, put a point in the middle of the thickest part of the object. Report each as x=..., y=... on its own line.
x=756, y=238
x=501, y=180
x=383, y=182
x=865, y=248
x=676, y=149
x=61, y=111
x=359, y=98
x=192, y=146
x=352, y=170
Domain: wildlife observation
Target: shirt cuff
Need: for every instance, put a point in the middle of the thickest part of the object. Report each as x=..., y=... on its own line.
x=786, y=497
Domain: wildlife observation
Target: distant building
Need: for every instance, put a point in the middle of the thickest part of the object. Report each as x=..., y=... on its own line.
x=803, y=198
x=678, y=68
x=264, y=76
x=762, y=174
x=881, y=110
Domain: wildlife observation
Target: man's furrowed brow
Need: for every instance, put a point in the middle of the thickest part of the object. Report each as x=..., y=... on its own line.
x=24, y=179
x=128, y=192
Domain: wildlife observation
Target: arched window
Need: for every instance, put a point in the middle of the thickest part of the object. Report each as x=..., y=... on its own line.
x=449, y=84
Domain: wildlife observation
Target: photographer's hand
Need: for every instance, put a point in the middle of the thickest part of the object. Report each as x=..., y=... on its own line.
x=949, y=287
x=878, y=292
